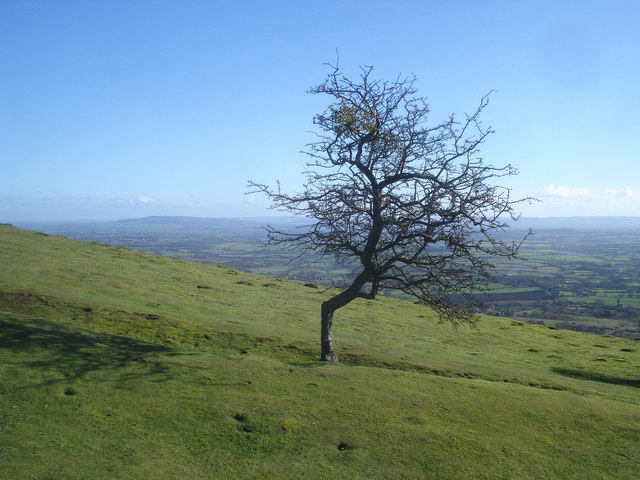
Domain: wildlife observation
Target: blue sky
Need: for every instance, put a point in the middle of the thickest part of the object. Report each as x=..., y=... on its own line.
x=118, y=109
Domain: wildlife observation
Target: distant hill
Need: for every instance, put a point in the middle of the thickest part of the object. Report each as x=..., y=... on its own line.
x=217, y=223
x=191, y=223
x=163, y=223
x=122, y=364
x=578, y=223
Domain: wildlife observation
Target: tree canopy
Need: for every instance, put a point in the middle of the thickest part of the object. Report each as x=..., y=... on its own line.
x=412, y=204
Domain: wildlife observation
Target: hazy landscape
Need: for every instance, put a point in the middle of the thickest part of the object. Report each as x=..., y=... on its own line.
x=575, y=273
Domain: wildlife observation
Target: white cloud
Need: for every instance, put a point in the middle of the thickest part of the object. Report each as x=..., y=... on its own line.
x=624, y=192
x=565, y=192
x=562, y=200
x=139, y=200
x=552, y=190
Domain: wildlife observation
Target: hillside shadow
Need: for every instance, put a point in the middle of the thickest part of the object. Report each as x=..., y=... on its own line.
x=597, y=377
x=70, y=351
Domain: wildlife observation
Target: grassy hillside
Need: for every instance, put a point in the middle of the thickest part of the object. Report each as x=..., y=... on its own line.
x=116, y=364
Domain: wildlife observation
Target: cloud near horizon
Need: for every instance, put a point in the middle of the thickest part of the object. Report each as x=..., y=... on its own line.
x=552, y=190
x=562, y=200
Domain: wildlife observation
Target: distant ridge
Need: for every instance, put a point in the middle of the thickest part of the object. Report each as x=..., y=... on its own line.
x=159, y=221
x=207, y=222
x=581, y=223
x=185, y=221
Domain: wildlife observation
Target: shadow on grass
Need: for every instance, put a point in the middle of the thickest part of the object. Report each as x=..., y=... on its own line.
x=597, y=377
x=71, y=351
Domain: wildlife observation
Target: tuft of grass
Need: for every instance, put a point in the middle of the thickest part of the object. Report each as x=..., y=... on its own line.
x=118, y=364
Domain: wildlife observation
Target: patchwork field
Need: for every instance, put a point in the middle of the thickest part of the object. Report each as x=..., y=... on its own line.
x=585, y=272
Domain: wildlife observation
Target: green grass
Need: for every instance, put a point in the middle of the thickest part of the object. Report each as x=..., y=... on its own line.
x=117, y=364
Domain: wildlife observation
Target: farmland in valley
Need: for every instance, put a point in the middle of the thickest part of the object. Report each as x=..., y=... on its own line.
x=578, y=273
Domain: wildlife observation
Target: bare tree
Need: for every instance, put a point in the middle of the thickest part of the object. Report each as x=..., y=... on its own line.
x=414, y=205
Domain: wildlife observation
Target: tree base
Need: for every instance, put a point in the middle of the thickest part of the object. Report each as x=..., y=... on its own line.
x=329, y=357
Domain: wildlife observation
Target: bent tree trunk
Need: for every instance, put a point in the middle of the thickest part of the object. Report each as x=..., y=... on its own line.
x=326, y=342
x=334, y=303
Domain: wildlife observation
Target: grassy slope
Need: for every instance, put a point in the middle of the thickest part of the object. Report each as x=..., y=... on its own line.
x=115, y=364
